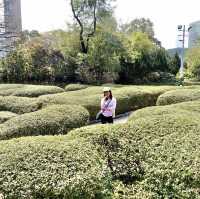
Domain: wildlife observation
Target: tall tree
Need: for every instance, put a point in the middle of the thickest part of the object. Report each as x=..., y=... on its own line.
x=141, y=25
x=87, y=13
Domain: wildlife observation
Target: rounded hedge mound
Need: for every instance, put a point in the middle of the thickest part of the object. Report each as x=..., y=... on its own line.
x=75, y=87
x=156, y=157
x=177, y=96
x=57, y=119
x=36, y=90
x=128, y=98
x=25, y=90
x=8, y=89
x=19, y=105
x=6, y=115
x=191, y=107
x=51, y=167
x=155, y=111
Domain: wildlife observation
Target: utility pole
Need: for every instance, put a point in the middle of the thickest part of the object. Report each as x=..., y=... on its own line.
x=182, y=29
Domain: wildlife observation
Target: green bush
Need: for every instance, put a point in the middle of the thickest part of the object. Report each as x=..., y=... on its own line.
x=25, y=90
x=5, y=115
x=164, y=155
x=57, y=119
x=8, y=89
x=151, y=157
x=19, y=105
x=128, y=98
x=177, y=96
x=51, y=167
x=35, y=91
x=75, y=87
x=189, y=108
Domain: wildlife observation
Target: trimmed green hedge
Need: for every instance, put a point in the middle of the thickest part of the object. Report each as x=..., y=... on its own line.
x=25, y=90
x=155, y=111
x=6, y=115
x=128, y=98
x=51, y=167
x=19, y=105
x=156, y=157
x=190, y=108
x=152, y=157
x=177, y=96
x=57, y=119
x=75, y=87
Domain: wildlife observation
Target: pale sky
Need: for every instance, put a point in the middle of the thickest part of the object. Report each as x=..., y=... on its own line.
x=44, y=15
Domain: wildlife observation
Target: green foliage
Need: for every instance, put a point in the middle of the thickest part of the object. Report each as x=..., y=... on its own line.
x=154, y=155
x=164, y=149
x=128, y=98
x=27, y=35
x=175, y=64
x=19, y=105
x=193, y=62
x=103, y=54
x=26, y=90
x=139, y=25
x=87, y=15
x=35, y=61
x=102, y=58
x=53, y=120
x=181, y=108
x=6, y=115
x=142, y=57
x=177, y=96
x=75, y=87
x=52, y=167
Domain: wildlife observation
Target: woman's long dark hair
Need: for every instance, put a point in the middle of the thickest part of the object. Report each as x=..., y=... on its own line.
x=111, y=96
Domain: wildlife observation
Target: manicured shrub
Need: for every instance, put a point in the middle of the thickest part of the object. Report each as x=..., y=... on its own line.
x=152, y=157
x=25, y=90
x=37, y=90
x=166, y=158
x=19, y=105
x=128, y=98
x=57, y=119
x=154, y=111
x=52, y=167
x=190, y=108
x=5, y=115
x=177, y=96
x=8, y=89
x=75, y=87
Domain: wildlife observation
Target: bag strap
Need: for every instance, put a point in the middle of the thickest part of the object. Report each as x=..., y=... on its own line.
x=108, y=104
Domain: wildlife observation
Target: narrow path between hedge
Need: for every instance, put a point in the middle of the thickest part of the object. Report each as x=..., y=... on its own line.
x=120, y=119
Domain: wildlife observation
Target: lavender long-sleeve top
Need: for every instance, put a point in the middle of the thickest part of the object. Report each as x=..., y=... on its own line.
x=109, y=106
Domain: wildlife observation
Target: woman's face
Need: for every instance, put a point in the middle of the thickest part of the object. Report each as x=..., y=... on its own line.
x=107, y=94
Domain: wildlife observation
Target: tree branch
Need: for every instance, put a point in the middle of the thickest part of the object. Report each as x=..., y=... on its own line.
x=82, y=42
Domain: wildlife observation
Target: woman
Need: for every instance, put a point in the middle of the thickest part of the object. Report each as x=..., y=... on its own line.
x=108, y=106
